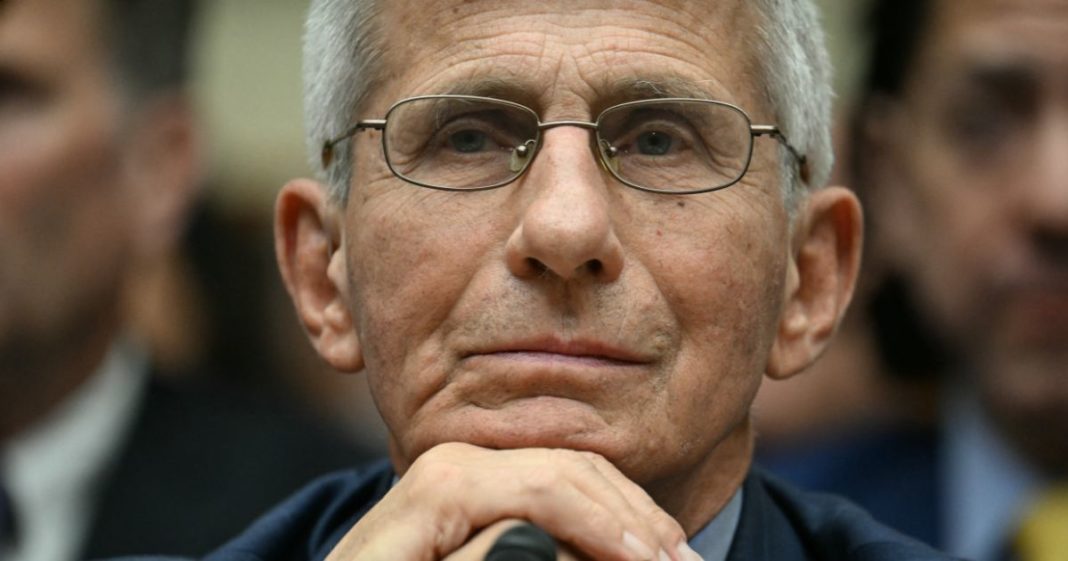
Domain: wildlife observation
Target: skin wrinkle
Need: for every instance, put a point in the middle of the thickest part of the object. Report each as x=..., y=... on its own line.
x=457, y=49
x=428, y=280
x=750, y=48
x=644, y=334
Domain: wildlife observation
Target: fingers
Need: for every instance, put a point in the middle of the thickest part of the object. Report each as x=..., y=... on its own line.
x=479, y=546
x=562, y=491
x=667, y=528
x=454, y=494
x=647, y=530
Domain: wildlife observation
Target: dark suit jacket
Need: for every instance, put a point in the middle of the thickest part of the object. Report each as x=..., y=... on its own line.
x=778, y=523
x=200, y=464
x=892, y=472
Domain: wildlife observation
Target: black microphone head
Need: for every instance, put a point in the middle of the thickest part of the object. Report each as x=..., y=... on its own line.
x=525, y=542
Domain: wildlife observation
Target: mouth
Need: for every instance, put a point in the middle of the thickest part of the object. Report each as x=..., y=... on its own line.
x=570, y=351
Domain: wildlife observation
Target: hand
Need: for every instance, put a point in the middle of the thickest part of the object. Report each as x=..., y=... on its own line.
x=478, y=547
x=455, y=493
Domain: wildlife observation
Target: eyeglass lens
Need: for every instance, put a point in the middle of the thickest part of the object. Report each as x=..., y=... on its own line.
x=659, y=145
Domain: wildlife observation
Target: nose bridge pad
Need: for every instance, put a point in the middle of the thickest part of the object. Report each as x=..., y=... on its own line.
x=521, y=155
x=609, y=156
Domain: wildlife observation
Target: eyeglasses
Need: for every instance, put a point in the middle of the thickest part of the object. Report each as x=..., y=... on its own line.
x=472, y=143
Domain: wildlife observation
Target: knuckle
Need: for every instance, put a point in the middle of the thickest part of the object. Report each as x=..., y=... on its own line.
x=594, y=458
x=667, y=527
x=543, y=481
x=433, y=470
x=560, y=456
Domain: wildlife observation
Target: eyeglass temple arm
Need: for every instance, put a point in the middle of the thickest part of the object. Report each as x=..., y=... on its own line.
x=327, y=154
x=774, y=132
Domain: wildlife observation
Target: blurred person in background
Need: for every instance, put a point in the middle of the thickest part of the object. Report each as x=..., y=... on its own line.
x=962, y=153
x=99, y=162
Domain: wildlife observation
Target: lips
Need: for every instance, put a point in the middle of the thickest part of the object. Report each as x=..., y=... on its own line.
x=552, y=348
x=512, y=371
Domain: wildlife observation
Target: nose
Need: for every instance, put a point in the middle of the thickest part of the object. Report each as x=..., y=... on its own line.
x=1045, y=192
x=565, y=226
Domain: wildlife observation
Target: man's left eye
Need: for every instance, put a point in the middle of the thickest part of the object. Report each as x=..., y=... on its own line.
x=654, y=143
x=468, y=141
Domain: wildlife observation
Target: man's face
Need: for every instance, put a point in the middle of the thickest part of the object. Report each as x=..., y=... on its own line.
x=565, y=309
x=982, y=211
x=62, y=215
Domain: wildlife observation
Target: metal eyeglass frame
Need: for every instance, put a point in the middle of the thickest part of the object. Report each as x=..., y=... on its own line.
x=604, y=152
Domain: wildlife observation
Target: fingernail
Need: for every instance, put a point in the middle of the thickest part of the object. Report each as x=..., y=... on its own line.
x=663, y=555
x=631, y=542
x=687, y=552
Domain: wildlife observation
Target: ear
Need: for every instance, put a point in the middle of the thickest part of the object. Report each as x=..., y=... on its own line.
x=311, y=257
x=820, y=280
x=886, y=135
x=163, y=167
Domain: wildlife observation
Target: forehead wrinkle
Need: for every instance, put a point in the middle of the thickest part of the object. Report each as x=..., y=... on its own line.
x=474, y=39
x=657, y=87
x=510, y=84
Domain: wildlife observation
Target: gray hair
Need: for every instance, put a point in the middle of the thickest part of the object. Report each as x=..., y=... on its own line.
x=343, y=49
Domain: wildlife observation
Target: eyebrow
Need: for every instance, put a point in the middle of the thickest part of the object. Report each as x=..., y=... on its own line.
x=1013, y=76
x=18, y=80
x=623, y=89
x=510, y=89
x=664, y=87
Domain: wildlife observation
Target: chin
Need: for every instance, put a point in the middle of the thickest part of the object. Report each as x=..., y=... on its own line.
x=537, y=422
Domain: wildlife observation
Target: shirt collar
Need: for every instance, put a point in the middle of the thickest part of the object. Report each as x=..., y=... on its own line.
x=987, y=485
x=714, y=540
x=51, y=469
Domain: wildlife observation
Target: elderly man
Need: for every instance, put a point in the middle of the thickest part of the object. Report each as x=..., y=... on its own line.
x=98, y=163
x=964, y=144
x=565, y=241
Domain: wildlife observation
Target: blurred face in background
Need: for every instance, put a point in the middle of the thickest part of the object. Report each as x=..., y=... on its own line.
x=975, y=200
x=64, y=209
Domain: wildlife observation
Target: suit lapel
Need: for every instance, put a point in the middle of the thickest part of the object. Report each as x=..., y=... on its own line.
x=764, y=532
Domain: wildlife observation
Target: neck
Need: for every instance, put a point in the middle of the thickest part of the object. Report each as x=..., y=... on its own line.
x=38, y=378
x=696, y=496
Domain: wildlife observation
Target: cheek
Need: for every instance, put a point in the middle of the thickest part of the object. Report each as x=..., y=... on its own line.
x=722, y=270
x=63, y=217
x=718, y=271
x=725, y=288
x=418, y=252
x=60, y=183
x=963, y=236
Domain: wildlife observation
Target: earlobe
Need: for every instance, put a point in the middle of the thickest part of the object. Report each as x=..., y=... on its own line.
x=311, y=258
x=820, y=283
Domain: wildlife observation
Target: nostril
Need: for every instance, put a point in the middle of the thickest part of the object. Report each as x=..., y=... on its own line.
x=536, y=267
x=594, y=266
x=1053, y=246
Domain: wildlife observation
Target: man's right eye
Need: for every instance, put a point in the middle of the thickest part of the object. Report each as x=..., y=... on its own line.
x=17, y=92
x=654, y=143
x=468, y=141
x=981, y=131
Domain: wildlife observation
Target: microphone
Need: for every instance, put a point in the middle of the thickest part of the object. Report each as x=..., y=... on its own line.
x=525, y=542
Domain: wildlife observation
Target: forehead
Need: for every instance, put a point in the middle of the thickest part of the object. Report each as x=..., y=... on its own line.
x=560, y=54
x=49, y=34
x=982, y=39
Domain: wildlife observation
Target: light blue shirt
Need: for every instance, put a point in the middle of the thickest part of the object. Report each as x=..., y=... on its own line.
x=714, y=540
x=987, y=485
